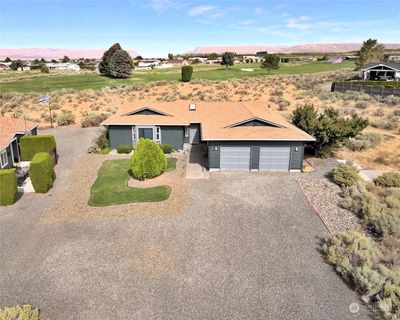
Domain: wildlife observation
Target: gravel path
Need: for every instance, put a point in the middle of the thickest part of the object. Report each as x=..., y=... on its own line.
x=324, y=196
x=73, y=204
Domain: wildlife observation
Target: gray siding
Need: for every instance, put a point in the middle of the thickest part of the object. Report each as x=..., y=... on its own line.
x=296, y=159
x=119, y=135
x=10, y=159
x=173, y=135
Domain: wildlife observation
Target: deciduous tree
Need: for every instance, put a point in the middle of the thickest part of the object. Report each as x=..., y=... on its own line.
x=228, y=58
x=371, y=51
x=270, y=62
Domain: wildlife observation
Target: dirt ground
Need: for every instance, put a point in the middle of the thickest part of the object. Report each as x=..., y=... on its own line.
x=280, y=93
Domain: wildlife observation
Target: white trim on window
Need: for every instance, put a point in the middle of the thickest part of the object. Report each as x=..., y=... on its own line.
x=3, y=158
x=158, y=134
x=186, y=131
x=133, y=134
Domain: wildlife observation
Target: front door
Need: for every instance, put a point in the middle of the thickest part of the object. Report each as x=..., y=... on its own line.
x=146, y=133
x=194, y=133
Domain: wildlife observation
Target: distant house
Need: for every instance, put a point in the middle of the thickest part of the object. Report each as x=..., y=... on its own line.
x=381, y=71
x=11, y=130
x=63, y=66
x=4, y=66
x=179, y=62
x=394, y=58
x=252, y=59
x=149, y=63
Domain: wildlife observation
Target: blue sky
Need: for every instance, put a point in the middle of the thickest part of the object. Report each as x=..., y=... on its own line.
x=156, y=27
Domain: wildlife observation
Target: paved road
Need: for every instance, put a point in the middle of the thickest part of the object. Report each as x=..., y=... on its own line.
x=247, y=248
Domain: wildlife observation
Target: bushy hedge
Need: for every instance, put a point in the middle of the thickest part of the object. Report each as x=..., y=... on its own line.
x=8, y=187
x=26, y=312
x=94, y=119
x=30, y=145
x=187, y=72
x=167, y=148
x=388, y=179
x=42, y=172
x=345, y=175
x=124, y=148
x=148, y=160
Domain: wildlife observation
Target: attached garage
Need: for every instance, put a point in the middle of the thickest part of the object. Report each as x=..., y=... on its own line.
x=235, y=158
x=274, y=158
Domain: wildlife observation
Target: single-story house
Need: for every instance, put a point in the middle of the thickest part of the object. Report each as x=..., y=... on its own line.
x=238, y=135
x=63, y=66
x=149, y=63
x=11, y=130
x=381, y=71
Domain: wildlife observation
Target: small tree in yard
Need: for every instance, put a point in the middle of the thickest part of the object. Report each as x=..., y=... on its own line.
x=328, y=128
x=170, y=56
x=120, y=65
x=44, y=68
x=148, y=160
x=16, y=64
x=228, y=58
x=270, y=62
x=187, y=72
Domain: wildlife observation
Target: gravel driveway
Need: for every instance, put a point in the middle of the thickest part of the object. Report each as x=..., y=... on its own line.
x=246, y=248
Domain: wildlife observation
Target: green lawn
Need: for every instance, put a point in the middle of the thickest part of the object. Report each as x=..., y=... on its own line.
x=111, y=186
x=209, y=72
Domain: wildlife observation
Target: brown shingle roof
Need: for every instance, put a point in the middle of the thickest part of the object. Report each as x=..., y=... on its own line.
x=9, y=127
x=215, y=119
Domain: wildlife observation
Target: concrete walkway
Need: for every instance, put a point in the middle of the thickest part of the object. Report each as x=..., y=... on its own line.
x=196, y=167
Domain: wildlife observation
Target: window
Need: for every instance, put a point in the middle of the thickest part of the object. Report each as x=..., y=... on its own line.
x=186, y=131
x=3, y=158
x=158, y=136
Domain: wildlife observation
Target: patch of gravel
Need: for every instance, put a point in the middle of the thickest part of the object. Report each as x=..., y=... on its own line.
x=73, y=203
x=325, y=196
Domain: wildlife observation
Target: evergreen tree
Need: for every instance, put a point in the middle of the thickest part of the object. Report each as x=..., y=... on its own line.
x=170, y=56
x=16, y=64
x=7, y=60
x=65, y=59
x=103, y=65
x=120, y=65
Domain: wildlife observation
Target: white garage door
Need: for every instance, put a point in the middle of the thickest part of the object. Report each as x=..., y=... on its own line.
x=235, y=158
x=274, y=158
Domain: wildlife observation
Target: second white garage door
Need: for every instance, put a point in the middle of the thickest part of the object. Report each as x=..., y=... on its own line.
x=235, y=158
x=274, y=158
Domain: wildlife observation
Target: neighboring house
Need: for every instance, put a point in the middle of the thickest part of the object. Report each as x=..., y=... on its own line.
x=252, y=59
x=381, y=71
x=394, y=58
x=63, y=66
x=179, y=62
x=238, y=135
x=149, y=63
x=11, y=130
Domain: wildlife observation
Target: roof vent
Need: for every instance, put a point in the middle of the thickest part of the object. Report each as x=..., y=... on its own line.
x=192, y=106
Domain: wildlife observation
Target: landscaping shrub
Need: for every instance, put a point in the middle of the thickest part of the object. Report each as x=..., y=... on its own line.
x=26, y=312
x=166, y=148
x=388, y=179
x=148, y=160
x=186, y=72
x=8, y=187
x=124, y=148
x=366, y=141
x=348, y=250
x=30, y=145
x=345, y=175
x=66, y=119
x=42, y=172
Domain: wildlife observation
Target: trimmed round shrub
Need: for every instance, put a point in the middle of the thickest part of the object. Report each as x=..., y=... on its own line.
x=30, y=145
x=187, y=72
x=389, y=179
x=167, y=148
x=8, y=187
x=42, y=172
x=345, y=175
x=124, y=148
x=148, y=160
